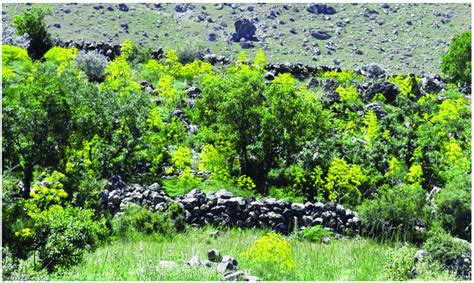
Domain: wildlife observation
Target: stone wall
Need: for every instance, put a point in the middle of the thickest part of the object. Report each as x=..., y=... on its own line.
x=223, y=208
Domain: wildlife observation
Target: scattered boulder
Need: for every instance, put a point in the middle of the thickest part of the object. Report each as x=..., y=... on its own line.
x=244, y=29
x=321, y=9
x=432, y=84
x=123, y=7
x=388, y=90
x=227, y=263
x=181, y=8
x=373, y=71
x=321, y=35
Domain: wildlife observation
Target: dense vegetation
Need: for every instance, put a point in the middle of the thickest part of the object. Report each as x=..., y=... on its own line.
x=71, y=120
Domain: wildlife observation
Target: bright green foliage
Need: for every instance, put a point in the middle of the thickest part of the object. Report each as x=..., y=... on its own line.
x=345, y=78
x=47, y=195
x=401, y=262
x=218, y=159
x=349, y=94
x=61, y=57
x=118, y=74
x=315, y=234
x=271, y=249
x=415, y=174
x=456, y=64
x=32, y=23
x=343, y=181
x=15, y=63
x=260, y=61
x=404, y=84
x=245, y=182
x=372, y=128
x=182, y=158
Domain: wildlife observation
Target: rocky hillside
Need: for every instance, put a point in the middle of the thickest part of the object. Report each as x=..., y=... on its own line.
x=405, y=38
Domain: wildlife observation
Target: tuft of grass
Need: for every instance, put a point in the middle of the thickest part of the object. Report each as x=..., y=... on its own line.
x=356, y=259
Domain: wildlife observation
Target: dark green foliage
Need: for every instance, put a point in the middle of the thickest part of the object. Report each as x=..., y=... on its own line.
x=32, y=23
x=456, y=64
x=267, y=124
x=315, y=234
x=398, y=213
x=140, y=55
x=453, y=207
x=188, y=54
x=446, y=249
x=38, y=120
x=137, y=219
x=62, y=236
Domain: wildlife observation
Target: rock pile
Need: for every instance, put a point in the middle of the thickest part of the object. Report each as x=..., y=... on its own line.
x=223, y=208
x=298, y=70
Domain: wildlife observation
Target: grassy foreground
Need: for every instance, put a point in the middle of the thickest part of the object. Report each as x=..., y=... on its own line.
x=356, y=259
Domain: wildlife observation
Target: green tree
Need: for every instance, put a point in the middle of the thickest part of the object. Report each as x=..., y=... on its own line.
x=32, y=23
x=456, y=64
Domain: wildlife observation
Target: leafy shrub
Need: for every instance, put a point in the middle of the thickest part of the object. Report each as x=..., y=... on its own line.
x=395, y=213
x=136, y=219
x=62, y=236
x=32, y=23
x=182, y=157
x=315, y=234
x=46, y=195
x=446, y=249
x=139, y=55
x=92, y=64
x=349, y=94
x=343, y=181
x=453, y=207
x=456, y=63
x=400, y=263
x=188, y=55
x=271, y=249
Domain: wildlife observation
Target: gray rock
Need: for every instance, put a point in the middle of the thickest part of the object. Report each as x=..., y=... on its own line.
x=227, y=263
x=194, y=261
x=373, y=71
x=321, y=35
x=298, y=207
x=123, y=7
x=321, y=9
x=326, y=240
x=224, y=194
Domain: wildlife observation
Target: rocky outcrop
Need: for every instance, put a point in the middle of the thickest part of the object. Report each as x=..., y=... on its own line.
x=223, y=208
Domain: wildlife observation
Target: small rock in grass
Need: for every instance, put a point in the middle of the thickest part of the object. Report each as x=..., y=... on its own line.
x=167, y=264
x=194, y=261
x=326, y=240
